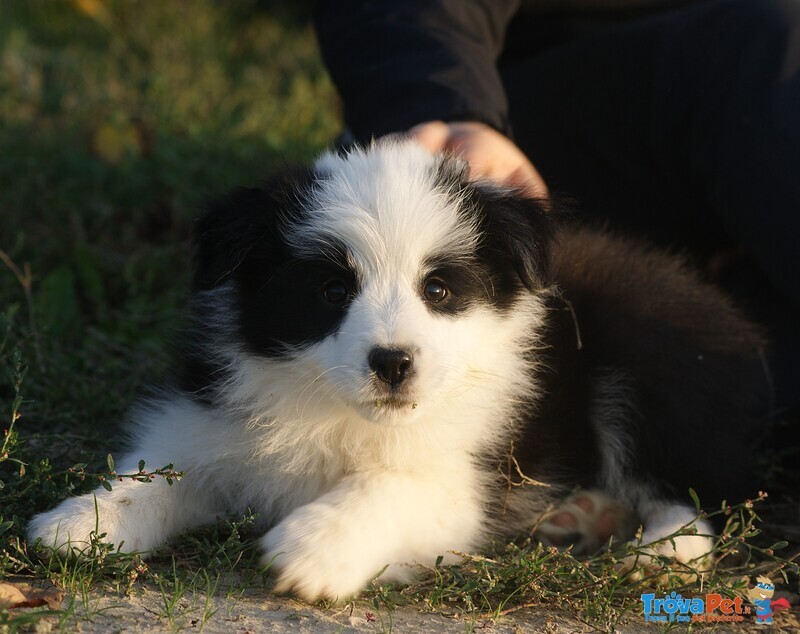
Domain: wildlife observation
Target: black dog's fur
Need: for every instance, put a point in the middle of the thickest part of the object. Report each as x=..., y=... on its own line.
x=691, y=368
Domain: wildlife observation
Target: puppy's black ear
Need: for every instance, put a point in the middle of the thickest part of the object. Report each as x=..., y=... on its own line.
x=519, y=230
x=240, y=222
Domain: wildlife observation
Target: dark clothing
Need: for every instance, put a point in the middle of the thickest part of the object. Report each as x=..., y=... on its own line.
x=400, y=63
x=676, y=119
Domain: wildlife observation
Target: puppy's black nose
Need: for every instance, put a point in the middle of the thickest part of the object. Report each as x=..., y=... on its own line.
x=391, y=365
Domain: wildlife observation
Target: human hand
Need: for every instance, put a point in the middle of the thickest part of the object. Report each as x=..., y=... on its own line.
x=489, y=153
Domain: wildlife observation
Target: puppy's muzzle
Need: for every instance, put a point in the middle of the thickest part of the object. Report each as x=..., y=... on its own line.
x=391, y=365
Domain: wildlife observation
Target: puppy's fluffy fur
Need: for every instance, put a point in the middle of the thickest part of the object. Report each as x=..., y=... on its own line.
x=370, y=339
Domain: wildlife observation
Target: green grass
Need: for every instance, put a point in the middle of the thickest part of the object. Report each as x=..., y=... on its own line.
x=117, y=120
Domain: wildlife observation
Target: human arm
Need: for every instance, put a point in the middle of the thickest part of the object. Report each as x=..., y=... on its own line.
x=397, y=64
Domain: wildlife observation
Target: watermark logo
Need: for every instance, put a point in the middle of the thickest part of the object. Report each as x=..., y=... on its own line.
x=761, y=596
x=674, y=608
x=713, y=607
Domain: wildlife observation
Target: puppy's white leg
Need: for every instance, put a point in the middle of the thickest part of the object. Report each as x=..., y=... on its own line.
x=135, y=516
x=141, y=515
x=331, y=547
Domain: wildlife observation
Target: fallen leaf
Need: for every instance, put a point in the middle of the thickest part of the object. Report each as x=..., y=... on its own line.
x=10, y=595
x=23, y=595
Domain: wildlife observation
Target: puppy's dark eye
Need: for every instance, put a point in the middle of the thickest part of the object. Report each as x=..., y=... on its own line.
x=336, y=292
x=434, y=291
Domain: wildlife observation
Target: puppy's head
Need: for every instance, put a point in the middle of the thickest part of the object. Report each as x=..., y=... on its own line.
x=380, y=283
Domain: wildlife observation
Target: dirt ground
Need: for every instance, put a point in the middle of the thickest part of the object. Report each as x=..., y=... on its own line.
x=144, y=612
x=252, y=612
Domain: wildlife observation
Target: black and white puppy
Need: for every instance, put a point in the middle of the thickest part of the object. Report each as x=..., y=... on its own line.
x=373, y=337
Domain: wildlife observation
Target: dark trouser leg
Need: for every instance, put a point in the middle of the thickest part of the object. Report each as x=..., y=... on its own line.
x=684, y=126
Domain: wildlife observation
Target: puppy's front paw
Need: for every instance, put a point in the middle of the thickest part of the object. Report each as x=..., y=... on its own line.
x=316, y=555
x=114, y=517
x=69, y=527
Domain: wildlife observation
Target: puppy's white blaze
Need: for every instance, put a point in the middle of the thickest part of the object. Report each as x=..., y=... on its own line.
x=387, y=207
x=386, y=315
